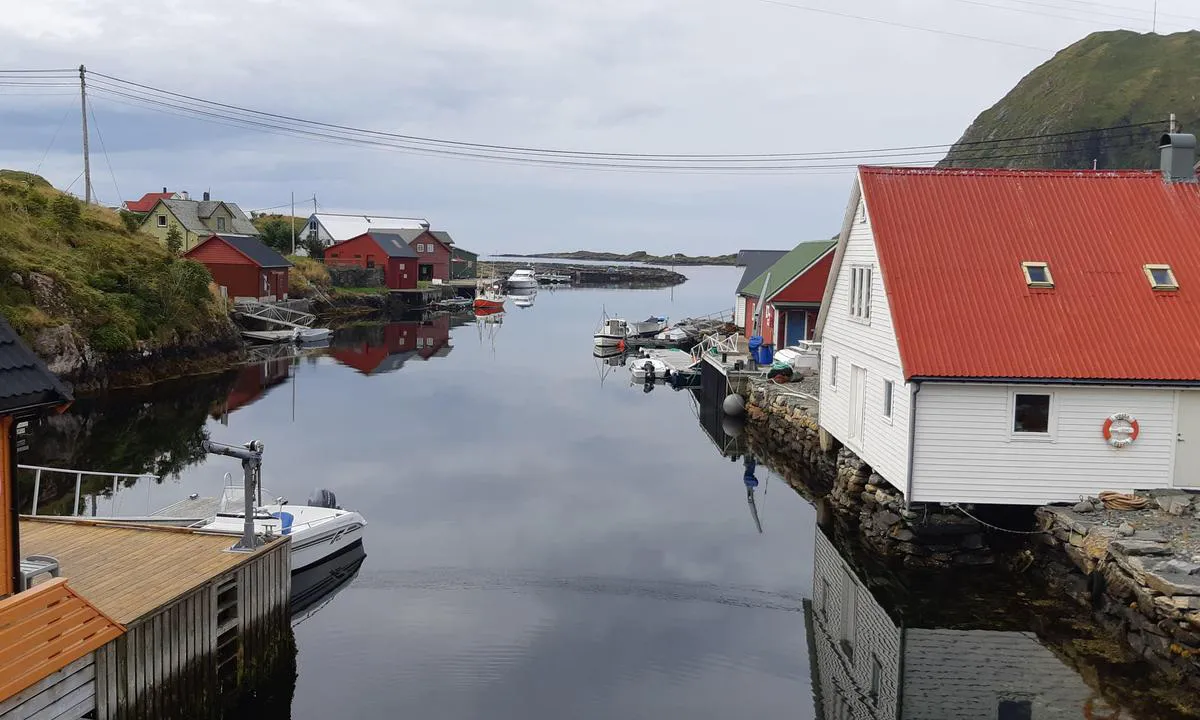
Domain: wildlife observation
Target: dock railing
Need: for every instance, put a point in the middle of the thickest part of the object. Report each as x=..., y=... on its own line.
x=38, y=471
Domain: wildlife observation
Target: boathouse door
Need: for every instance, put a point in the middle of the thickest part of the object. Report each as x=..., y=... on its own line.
x=858, y=381
x=1187, y=447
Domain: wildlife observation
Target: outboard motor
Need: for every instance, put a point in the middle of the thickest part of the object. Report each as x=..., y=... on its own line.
x=323, y=498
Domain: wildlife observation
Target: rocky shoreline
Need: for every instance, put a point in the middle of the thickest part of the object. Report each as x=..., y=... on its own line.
x=622, y=276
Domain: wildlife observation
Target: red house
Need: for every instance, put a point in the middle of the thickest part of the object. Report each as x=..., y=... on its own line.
x=386, y=248
x=149, y=200
x=243, y=266
x=792, y=289
x=433, y=253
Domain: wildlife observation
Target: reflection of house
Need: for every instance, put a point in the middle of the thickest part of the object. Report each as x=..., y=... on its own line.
x=243, y=266
x=868, y=665
x=253, y=381
x=379, y=248
x=382, y=349
x=755, y=263
x=1018, y=336
x=791, y=290
x=196, y=220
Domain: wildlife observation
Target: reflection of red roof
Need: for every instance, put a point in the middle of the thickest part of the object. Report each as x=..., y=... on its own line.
x=148, y=201
x=254, y=380
x=951, y=244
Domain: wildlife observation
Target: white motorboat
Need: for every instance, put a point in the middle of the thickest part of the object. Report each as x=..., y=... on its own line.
x=648, y=328
x=522, y=278
x=522, y=300
x=612, y=332
x=311, y=335
x=319, y=530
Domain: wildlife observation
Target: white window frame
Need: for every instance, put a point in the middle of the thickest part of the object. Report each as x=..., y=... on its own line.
x=1048, y=284
x=862, y=212
x=859, y=302
x=162, y=221
x=1051, y=434
x=889, y=400
x=1172, y=284
x=833, y=368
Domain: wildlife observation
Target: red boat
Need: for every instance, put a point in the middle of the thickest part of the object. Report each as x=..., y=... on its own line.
x=488, y=298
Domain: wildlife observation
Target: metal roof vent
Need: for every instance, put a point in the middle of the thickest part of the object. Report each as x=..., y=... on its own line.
x=1178, y=157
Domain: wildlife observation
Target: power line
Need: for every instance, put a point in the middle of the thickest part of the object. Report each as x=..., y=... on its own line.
x=906, y=26
x=57, y=130
x=1042, y=13
x=100, y=135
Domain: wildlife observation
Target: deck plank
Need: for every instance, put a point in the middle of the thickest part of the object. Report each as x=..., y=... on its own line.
x=129, y=572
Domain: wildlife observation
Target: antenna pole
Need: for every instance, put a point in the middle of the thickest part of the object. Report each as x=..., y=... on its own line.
x=293, y=222
x=87, y=162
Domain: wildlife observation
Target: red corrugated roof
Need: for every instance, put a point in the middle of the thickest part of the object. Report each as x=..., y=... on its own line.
x=146, y=204
x=951, y=244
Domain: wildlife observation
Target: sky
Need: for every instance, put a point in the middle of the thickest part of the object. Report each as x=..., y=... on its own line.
x=622, y=76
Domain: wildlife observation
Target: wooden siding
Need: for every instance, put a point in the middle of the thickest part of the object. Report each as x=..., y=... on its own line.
x=965, y=451
x=68, y=694
x=216, y=251
x=808, y=286
x=884, y=443
x=845, y=678
x=128, y=572
x=171, y=658
x=43, y=630
x=438, y=258
x=8, y=490
x=967, y=673
x=739, y=311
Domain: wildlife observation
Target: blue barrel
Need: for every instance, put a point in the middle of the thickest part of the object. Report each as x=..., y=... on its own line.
x=765, y=355
x=755, y=343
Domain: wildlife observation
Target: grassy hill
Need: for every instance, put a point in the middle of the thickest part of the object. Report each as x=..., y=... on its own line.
x=1105, y=80
x=83, y=289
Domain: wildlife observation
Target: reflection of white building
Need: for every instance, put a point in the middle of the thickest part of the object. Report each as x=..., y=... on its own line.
x=868, y=666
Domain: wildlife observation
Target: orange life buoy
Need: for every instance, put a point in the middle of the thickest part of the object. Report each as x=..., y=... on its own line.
x=1127, y=429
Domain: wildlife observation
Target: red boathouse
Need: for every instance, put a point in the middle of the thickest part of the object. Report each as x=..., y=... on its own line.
x=243, y=266
x=388, y=249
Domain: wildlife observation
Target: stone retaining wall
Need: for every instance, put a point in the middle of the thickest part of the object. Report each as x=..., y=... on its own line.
x=783, y=432
x=1136, y=582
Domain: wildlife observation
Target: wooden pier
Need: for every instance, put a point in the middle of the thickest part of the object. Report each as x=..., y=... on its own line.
x=200, y=623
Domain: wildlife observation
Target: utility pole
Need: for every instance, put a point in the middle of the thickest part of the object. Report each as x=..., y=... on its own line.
x=293, y=222
x=1154, y=25
x=87, y=162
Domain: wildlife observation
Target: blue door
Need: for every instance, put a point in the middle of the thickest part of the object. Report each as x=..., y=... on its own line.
x=797, y=326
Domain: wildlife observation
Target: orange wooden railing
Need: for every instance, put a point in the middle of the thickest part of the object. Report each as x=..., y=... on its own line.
x=44, y=629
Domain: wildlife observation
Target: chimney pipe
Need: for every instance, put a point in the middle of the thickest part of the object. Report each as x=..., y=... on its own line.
x=164, y=189
x=205, y=196
x=1178, y=157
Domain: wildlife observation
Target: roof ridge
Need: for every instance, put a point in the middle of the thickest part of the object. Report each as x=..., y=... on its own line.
x=997, y=172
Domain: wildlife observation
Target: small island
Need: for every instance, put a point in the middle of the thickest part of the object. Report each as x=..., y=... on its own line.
x=641, y=256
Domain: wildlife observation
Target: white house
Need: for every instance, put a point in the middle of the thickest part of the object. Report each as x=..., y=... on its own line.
x=1018, y=336
x=332, y=228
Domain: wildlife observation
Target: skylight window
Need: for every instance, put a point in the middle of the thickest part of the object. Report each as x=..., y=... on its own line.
x=1161, y=277
x=1037, y=275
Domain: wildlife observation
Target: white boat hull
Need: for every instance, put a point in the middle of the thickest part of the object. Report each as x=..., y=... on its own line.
x=604, y=340
x=523, y=283
x=317, y=533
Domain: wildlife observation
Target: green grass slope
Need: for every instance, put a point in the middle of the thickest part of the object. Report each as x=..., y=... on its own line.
x=1105, y=80
x=65, y=265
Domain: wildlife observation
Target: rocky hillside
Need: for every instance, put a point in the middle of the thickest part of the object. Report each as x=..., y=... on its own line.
x=1107, y=79
x=96, y=300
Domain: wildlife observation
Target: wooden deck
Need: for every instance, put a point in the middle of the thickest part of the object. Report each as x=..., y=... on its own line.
x=128, y=572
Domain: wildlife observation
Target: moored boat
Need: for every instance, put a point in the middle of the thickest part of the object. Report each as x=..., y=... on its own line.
x=612, y=332
x=522, y=278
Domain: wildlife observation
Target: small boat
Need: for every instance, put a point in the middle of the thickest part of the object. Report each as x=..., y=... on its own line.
x=488, y=298
x=554, y=279
x=522, y=278
x=457, y=303
x=649, y=327
x=311, y=335
x=611, y=333
x=319, y=530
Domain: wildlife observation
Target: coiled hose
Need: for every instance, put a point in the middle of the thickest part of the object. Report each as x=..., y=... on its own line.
x=1122, y=501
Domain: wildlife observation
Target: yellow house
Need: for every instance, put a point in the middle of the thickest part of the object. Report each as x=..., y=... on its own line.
x=196, y=220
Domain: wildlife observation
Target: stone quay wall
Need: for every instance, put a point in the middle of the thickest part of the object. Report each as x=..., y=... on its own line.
x=1142, y=584
x=782, y=431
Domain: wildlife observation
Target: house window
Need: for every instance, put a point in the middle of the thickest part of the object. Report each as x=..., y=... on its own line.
x=1161, y=277
x=420, y=247
x=357, y=256
x=876, y=679
x=849, y=615
x=1031, y=413
x=833, y=372
x=370, y=261
x=1037, y=275
x=162, y=220
x=889, y=389
x=220, y=224
x=860, y=293
x=1014, y=710
x=862, y=212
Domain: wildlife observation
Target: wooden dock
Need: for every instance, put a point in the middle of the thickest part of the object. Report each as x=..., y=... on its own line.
x=202, y=623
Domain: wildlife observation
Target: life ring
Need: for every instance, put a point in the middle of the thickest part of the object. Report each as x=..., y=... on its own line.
x=1124, y=435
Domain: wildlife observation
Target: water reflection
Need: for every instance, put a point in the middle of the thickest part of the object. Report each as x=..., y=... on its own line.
x=315, y=587
x=374, y=349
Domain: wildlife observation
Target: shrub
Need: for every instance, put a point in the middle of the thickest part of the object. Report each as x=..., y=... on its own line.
x=174, y=240
x=132, y=220
x=66, y=211
x=109, y=339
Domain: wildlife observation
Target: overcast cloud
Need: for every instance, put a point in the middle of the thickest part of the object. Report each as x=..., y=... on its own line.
x=644, y=76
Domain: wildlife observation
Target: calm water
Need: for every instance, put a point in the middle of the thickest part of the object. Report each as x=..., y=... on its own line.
x=546, y=540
